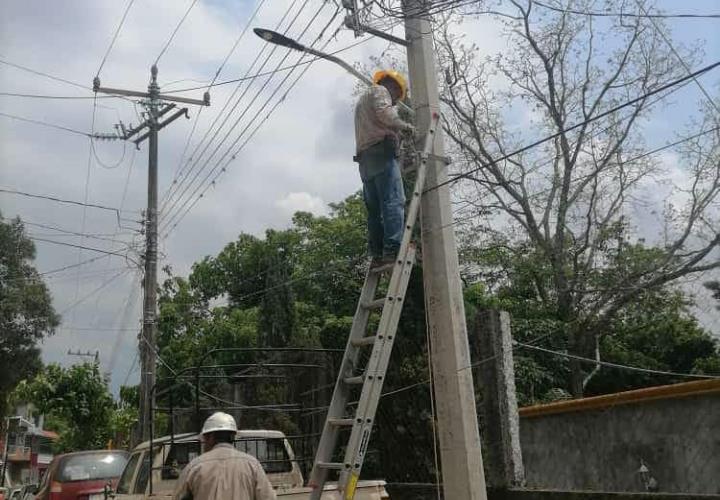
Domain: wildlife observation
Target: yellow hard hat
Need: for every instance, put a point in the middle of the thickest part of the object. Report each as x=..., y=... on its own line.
x=395, y=75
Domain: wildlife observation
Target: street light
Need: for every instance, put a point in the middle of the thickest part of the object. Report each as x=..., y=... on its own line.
x=278, y=39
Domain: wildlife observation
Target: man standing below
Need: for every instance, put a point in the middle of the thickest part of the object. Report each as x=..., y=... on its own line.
x=222, y=472
x=377, y=129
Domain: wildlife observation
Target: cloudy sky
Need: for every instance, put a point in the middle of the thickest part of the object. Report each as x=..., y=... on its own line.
x=299, y=159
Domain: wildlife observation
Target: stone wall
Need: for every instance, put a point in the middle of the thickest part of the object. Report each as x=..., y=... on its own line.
x=664, y=439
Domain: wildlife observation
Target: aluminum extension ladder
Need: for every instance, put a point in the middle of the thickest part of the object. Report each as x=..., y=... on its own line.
x=350, y=376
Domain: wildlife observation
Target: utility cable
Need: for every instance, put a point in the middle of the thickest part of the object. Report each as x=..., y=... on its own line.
x=192, y=200
x=175, y=186
x=179, y=169
x=46, y=75
x=92, y=293
x=117, y=32
x=266, y=73
x=592, y=119
x=677, y=55
x=47, y=124
x=42, y=96
x=60, y=200
x=235, y=124
x=615, y=365
x=643, y=15
x=172, y=36
x=83, y=247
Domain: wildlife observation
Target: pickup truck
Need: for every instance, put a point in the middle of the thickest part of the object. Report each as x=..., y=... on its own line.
x=144, y=478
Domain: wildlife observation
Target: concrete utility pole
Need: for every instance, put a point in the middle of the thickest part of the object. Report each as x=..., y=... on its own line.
x=461, y=458
x=153, y=103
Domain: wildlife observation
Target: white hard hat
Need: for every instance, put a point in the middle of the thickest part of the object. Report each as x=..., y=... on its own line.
x=218, y=422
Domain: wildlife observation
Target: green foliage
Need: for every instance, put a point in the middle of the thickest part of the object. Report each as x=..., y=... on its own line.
x=77, y=403
x=26, y=312
x=653, y=329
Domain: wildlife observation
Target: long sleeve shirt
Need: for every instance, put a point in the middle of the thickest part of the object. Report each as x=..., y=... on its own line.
x=224, y=473
x=375, y=118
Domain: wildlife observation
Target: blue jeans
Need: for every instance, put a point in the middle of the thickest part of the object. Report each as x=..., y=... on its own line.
x=384, y=197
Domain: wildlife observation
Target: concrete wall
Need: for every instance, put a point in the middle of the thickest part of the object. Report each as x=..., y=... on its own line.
x=600, y=443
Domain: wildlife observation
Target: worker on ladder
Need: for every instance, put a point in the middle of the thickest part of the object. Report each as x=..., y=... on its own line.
x=377, y=135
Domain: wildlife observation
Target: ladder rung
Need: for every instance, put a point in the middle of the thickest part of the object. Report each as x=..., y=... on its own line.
x=382, y=269
x=369, y=340
x=340, y=421
x=331, y=465
x=375, y=304
x=354, y=380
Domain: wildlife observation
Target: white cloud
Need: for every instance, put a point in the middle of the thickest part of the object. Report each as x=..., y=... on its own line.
x=305, y=202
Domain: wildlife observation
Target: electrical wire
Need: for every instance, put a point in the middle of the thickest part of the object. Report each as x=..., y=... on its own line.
x=677, y=55
x=194, y=156
x=114, y=38
x=83, y=247
x=191, y=201
x=614, y=365
x=266, y=73
x=93, y=292
x=237, y=121
x=46, y=75
x=172, y=36
x=644, y=15
x=61, y=200
x=41, y=96
x=592, y=119
x=178, y=170
x=47, y=124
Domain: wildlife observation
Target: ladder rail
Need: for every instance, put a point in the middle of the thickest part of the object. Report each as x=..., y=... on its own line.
x=338, y=403
x=375, y=372
x=376, y=368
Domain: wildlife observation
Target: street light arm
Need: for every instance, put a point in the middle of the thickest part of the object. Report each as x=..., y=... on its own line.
x=282, y=40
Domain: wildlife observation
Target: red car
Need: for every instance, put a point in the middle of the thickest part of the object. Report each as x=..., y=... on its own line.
x=81, y=475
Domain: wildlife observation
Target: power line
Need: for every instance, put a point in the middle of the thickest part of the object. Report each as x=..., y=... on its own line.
x=117, y=32
x=644, y=15
x=43, y=96
x=177, y=27
x=175, y=186
x=46, y=75
x=266, y=73
x=677, y=55
x=92, y=293
x=215, y=77
x=72, y=266
x=61, y=200
x=191, y=200
x=592, y=119
x=237, y=121
x=614, y=365
x=83, y=247
x=46, y=124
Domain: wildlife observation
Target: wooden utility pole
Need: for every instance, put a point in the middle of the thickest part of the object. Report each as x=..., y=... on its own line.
x=156, y=108
x=461, y=458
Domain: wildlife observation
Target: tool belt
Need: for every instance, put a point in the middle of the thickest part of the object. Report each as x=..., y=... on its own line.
x=387, y=148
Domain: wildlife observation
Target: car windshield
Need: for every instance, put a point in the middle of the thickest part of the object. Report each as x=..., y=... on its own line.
x=91, y=466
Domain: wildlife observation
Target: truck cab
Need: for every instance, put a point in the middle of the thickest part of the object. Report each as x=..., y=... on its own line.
x=145, y=477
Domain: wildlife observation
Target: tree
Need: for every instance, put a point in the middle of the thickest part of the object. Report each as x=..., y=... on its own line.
x=654, y=330
x=76, y=401
x=569, y=199
x=26, y=312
